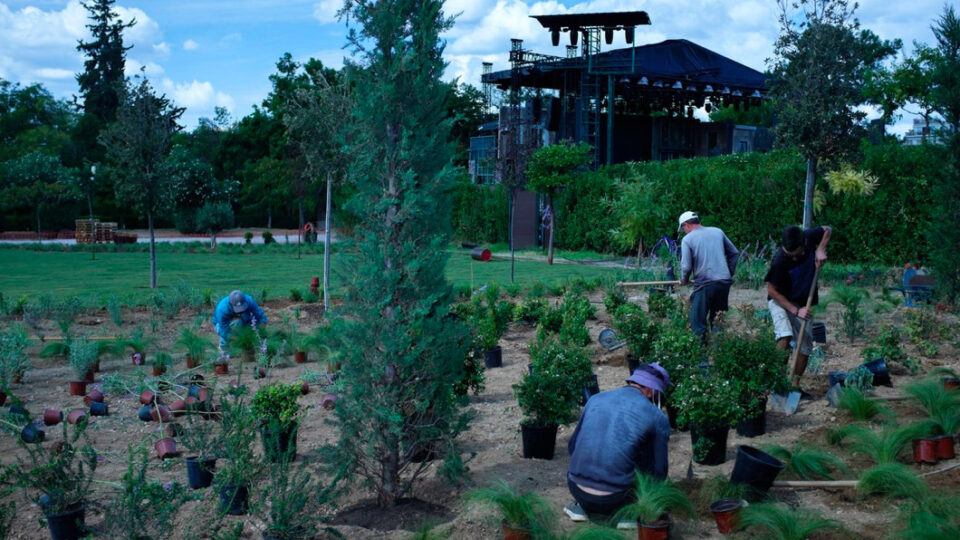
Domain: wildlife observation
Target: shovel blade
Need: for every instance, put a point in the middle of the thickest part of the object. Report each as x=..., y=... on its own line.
x=785, y=403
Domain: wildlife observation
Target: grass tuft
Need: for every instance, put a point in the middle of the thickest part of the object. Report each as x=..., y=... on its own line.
x=894, y=481
x=807, y=463
x=778, y=522
x=860, y=407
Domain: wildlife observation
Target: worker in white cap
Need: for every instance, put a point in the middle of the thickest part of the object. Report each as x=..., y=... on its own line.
x=710, y=258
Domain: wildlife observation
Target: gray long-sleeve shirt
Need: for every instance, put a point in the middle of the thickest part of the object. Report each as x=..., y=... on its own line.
x=619, y=432
x=709, y=256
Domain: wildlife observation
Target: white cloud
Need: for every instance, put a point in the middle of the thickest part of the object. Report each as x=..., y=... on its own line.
x=326, y=11
x=190, y=45
x=196, y=95
x=162, y=49
x=54, y=73
x=231, y=38
x=132, y=68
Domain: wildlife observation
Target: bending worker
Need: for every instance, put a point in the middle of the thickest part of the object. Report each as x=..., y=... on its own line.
x=620, y=432
x=711, y=258
x=788, y=284
x=234, y=310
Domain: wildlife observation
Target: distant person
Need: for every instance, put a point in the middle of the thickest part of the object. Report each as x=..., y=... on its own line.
x=620, y=432
x=710, y=258
x=788, y=285
x=236, y=309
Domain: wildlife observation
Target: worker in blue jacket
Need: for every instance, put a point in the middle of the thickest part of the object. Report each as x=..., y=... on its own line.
x=235, y=310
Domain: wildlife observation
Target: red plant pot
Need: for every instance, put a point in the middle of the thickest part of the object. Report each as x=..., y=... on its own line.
x=259, y=373
x=511, y=532
x=221, y=369
x=178, y=407
x=726, y=512
x=204, y=394
x=658, y=530
x=191, y=363
x=52, y=417
x=924, y=451
x=147, y=397
x=158, y=370
x=76, y=415
x=300, y=357
x=93, y=396
x=329, y=402
x=160, y=413
x=950, y=383
x=166, y=448
x=78, y=388
x=944, y=447
x=137, y=359
x=89, y=376
x=304, y=388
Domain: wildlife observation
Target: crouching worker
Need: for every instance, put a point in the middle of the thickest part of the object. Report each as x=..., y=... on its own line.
x=235, y=310
x=620, y=432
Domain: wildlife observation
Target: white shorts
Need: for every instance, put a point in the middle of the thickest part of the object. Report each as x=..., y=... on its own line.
x=788, y=325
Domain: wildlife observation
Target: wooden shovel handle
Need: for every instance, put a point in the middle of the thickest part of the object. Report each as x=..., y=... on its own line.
x=803, y=328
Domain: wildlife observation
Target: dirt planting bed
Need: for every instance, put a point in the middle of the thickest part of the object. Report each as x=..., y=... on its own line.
x=492, y=443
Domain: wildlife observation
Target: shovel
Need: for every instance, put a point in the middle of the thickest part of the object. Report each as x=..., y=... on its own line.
x=788, y=403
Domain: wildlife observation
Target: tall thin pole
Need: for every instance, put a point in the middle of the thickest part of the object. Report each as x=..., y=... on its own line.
x=326, y=245
x=93, y=229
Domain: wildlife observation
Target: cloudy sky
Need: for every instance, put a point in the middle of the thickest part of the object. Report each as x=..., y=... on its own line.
x=208, y=53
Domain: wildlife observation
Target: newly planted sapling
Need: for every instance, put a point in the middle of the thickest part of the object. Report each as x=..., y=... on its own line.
x=142, y=507
x=83, y=356
x=293, y=501
x=653, y=500
x=57, y=481
x=852, y=316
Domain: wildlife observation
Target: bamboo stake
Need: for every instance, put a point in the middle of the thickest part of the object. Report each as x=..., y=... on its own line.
x=62, y=338
x=826, y=484
x=645, y=283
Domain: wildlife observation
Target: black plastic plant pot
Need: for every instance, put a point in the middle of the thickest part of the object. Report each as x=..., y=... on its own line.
x=538, y=441
x=143, y=413
x=632, y=363
x=588, y=392
x=279, y=445
x=716, y=447
x=98, y=409
x=755, y=468
x=881, y=377
x=68, y=525
x=200, y=471
x=672, y=414
x=493, y=358
x=31, y=433
x=755, y=424
x=836, y=377
x=233, y=500
x=819, y=331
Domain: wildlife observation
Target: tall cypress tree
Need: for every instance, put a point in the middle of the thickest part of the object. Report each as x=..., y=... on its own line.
x=402, y=348
x=102, y=77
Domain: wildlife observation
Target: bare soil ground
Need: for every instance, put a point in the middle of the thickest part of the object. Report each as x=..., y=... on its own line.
x=492, y=443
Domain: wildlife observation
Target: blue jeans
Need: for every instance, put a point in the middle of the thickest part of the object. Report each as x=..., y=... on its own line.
x=707, y=302
x=603, y=506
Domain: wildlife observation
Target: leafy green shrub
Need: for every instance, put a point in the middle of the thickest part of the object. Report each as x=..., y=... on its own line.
x=142, y=507
x=576, y=310
x=614, y=296
x=635, y=327
x=549, y=393
x=755, y=362
x=14, y=361
x=83, y=355
x=296, y=295
x=277, y=401
x=480, y=213
x=267, y=237
x=247, y=237
x=851, y=298
x=531, y=310
x=663, y=305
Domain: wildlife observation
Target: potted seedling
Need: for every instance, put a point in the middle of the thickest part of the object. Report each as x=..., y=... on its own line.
x=14, y=362
x=83, y=355
x=524, y=515
x=246, y=341
x=320, y=340
x=199, y=438
x=238, y=469
x=297, y=343
x=549, y=394
x=656, y=502
x=709, y=404
x=59, y=481
x=196, y=346
x=137, y=345
x=489, y=317
x=160, y=362
x=755, y=362
x=276, y=408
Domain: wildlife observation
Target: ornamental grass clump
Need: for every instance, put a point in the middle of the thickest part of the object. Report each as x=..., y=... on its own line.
x=780, y=522
x=892, y=480
x=883, y=447
x=852, y=316
x=806, y=462
x=654, y=499
x=860, y=406
x=528, y=511
x=942, y=406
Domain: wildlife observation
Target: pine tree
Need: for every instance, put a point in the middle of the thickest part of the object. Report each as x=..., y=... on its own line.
x=402, y=348
x=101, y=82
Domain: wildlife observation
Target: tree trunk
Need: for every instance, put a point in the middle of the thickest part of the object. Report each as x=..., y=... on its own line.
x=511, y=203
x=553, y=221
x=38, y=224
x=153, y=252
x=326, y=245
x=213, y=241
x=90, y=206
x=300, y=230
x=639, y=252
x=808, y=192
x=269, y=217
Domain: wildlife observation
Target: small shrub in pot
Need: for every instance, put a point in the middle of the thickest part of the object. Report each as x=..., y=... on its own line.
x=278, y=413
x=83, y=356
x=523, y=512
x=239, y=468
x=706, y=402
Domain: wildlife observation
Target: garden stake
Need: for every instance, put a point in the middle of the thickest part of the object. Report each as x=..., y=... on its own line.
x=646, y=283
x=788, y=403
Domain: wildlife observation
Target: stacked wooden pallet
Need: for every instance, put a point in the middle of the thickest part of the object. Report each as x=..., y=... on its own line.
x=105, y=231
x=86, y=230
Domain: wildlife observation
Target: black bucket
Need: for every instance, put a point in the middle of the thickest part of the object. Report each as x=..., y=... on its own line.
x=819, y=331
x=717, y=451
x=493, y=358
x=200, y=472
x=538, y=441
x=755, y=468
x=589, y=390
x=279, y=445
x=881, y=377
x=632, y=363
x=836, y=377
x=754, y=426
x=233, y=500
x=99, y=409
x=69, y=525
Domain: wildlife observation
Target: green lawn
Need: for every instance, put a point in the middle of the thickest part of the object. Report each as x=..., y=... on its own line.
x=25, y=272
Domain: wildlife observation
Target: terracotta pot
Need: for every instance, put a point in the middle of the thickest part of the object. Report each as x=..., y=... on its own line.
x=78, y=388
x=726, y=512
x=160, y=413
x=76, y=415
x=93, y=396
x=924, y=451
x=52, y=417
x=333, y=367
x=259, y=372
x=657, y=530
x=944, y=445
x=329, y=402
x=147, y=397
x=511, y=532
x=300, y=357
x=166, y=448
x=137, y=359
x=950, y=383
x=304, y=388
x=191, y=363
x=221, y=369
x=158, y=370
x=178, y=407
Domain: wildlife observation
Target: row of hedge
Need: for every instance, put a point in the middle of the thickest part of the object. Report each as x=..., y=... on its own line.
x=750, y=196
